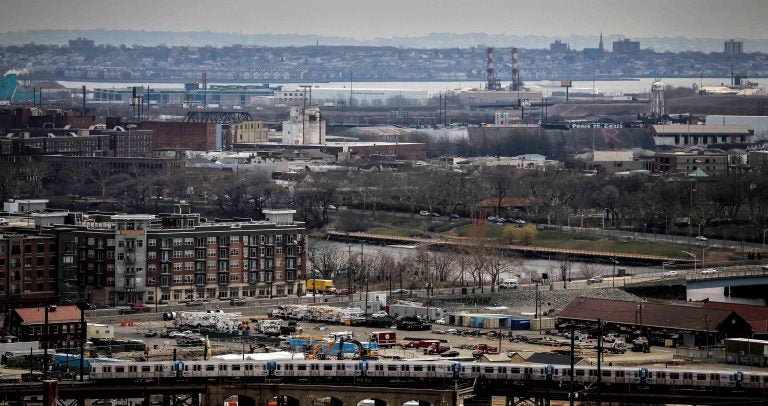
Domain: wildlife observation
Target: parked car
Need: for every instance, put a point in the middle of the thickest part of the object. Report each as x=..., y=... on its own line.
x=175, y=334
x=701, y=238
x=520, y=221
x=150, y=333
x=441, y=320
x=379, y=315
x=595, y=279
x=402, y=292
x=435, y=214
x=709, y=271
x=424, y=213
x=344, y=292
x=450, y=353
x=455, y=216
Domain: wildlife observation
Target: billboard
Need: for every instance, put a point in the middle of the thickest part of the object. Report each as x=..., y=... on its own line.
x=565, y=83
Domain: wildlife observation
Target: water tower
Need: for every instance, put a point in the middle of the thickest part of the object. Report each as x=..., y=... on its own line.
x=658, y=106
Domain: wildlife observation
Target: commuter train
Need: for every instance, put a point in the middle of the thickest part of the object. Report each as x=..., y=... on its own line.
x=384, y=370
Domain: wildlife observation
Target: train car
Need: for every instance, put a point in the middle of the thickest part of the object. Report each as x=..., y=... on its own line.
x=134, y=370
x=384, y=370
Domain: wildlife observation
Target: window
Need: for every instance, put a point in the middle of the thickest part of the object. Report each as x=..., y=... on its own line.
x=178, y=241
x=234, y=277
x=234, y=252
x=151, y=255
x=234, y=239
x=234, y=264
x=278, y=250
x=211, y=240
x=211, y=278
x=151, y=268
x=151, y=242
x=211, y=252
x=211, y=264
x=177, y=267
x=279, y=238
x=189, y=241
x=178, y=254
x=189, y=266
x=189, y=253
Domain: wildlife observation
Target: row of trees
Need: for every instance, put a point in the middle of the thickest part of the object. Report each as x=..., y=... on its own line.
x=481, y=266
x=554, y=197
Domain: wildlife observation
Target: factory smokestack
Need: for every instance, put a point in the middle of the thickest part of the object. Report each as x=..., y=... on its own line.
x=516, y=85
x=492, y=83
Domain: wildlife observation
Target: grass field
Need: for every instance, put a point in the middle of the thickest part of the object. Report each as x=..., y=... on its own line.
x=414, y=226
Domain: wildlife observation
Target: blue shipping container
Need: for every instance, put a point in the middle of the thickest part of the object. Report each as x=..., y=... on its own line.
x=519, y=324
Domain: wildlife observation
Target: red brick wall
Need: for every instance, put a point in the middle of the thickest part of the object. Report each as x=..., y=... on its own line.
x=181, y=135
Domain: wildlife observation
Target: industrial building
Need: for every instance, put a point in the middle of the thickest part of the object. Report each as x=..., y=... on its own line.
x=178, y=135
x=191, y=95
x=304, y=126
x=65, y=328
x=701, y=135
x=662, y=323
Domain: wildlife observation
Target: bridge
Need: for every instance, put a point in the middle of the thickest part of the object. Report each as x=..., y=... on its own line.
x=743, y=275
x=215, y=391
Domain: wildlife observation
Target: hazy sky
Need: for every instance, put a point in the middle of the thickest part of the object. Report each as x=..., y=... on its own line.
x=367, y=19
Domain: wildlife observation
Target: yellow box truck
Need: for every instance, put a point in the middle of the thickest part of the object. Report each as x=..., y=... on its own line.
x=321, y=286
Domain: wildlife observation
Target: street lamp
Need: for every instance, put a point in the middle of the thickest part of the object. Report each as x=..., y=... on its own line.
x=692, y=256
x=615, y=262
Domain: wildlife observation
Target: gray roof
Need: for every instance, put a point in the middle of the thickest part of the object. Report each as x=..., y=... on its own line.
x=552, y=359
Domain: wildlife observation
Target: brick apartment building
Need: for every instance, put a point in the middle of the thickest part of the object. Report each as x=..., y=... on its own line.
x=28, y=270
x=179, y=257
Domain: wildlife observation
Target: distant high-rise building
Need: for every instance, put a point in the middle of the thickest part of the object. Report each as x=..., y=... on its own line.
x=733, y=47
x=626, y=46
x=81, y=44
x=558, y=46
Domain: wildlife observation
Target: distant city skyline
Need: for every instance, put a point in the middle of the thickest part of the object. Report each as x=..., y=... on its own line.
x=366, y=20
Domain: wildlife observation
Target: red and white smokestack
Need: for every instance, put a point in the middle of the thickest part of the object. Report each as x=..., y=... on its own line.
x=491, y=79
x=515, y=71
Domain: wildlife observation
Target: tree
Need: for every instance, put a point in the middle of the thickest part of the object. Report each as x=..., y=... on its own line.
x=497, y=264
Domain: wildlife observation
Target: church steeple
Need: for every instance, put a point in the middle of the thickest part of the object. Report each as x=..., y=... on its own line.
x=601, y=42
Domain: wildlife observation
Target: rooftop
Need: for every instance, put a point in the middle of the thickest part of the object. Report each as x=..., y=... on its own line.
x=649, y=314
x=36, y=315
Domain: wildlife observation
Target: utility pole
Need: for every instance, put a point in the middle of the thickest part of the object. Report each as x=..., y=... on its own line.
x=573, y=363
x=706, y=323
x=599, y=358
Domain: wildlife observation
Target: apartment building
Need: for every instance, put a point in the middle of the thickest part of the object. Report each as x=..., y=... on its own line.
x=178, y=257
x=27, y=269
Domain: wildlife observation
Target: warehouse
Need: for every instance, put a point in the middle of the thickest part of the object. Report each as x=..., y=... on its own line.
x=662, y=323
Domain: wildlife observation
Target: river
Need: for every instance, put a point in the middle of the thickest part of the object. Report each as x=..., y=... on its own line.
x=608, y=87
x=529, y=267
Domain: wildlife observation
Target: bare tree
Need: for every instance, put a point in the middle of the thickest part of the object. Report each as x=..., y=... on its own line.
x=497, y=264
x=327, y=259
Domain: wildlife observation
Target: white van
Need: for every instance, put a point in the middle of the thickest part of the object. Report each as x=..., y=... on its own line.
x=508, y=284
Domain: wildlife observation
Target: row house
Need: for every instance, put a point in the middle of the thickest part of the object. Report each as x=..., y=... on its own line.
x=178, y=257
